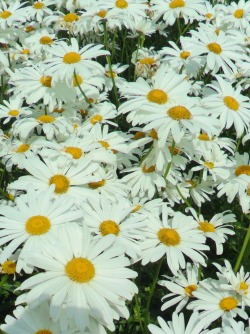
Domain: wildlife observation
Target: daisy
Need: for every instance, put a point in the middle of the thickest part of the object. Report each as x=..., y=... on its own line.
x=32, y=222
x=87, y=277
x=126, y=8
x=40, y=9
x=66, y=59
x=146, y=62
x=237, y=15
x=41, y=41
x=68, y=179
x=13, y=14
x=116, y=70
x=12, y=109
x=173, y=237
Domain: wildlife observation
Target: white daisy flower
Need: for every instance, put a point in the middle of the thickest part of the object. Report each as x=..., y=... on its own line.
x=40, y=9
x=173, y=238
x=32, y=222
x=237, y=15
x=87, y=277
x=13, y=109
x=13, y=14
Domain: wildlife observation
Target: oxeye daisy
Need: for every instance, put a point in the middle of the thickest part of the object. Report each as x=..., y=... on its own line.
x=126, y=8
x=87, y=277
x=237, y=15
x=13, y=109
x=66, y=59
x=173, y=237
x=67, y=178
x=40, y=41
x=33, y=222
x=40, y=9
x=13, y=14
x=229, y=105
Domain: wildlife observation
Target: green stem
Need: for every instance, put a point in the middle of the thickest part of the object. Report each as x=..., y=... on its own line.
x=138, y=312
x=170, y=162
x=4, y=280
x=83, y=94
x=242, y=251
x=146, y=155
x=183, y=198
x=152, y=289
x=117, y=103
x=179, y=27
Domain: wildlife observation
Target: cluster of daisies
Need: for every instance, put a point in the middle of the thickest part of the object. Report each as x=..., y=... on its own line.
x=113, y=149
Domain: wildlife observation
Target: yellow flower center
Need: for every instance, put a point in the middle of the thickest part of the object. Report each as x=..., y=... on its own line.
x=243, y=169
x=192, y=182
x=139, y=135
x=217, y=31
x=61, y=182
x=238, y=14
x=80, y=270
x=29, y=29
x=78, y=80
x=9, y=267
x=169, y=236
x=228, y=303
x=76, y=152
x=148, y=170
x=46, y=40
x=231, y=103
x=122, y=4
x=215, y=48
x=153, y=134
x=5, y=14
x=209, y=15
x=38, y=5
x=209, y=164
x=136, y=208
x=204, y=137
x=109, y=227
x=10, y=197
x=110, y=75
x=176, y=4
x=13, y=113
x=243, y=286
x=95, y=119
x=71, y=58
x=46, y=119
x=104, y=144
x=60, y=111
x=206, y=226
x=46, y=81
x=43, y=331
x=175, y=151
x=102, y=13
x=71, y=17
x=157, y=96
x=25, y=52
x=179, y=112
x=184, y=54
x=98, y=184
x=22, y=148
x=190, y=289
x=147, y=61
x=37, y=225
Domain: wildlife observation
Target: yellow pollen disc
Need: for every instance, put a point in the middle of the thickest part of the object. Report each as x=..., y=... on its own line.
x=46, y=81
x=153, y=134
x=22, y=148
x=43, y=331
x=71, y=17
x=209, y=164
x=184, y=54
x=46, y=40
x=113, y=75
x=147, y=61
x=169, y=236
x=238, y=14
x=5, y=14
x=46, y=119
x=176, y=3
x=204, y=137
x=102, y=13
x=209, y=15
x=98, y=184
x=192, y=182
x=190, y=289
x=243, y=169
x=114, y=151
x=179, y=112
x=80, y=270
x=61, y=182
x=37, y=225
x=157, y=96
x=78, y=80
x=38, y=5
x=175, y=151
x=95, y=119
x=148, y=170
x=248, y=189
x=109, y=227
x=71, y=58
x=217, y=31
x=231, y=103
x=139, y=135
x=10, y=197
x=104, y=144
x=60, y=111
x=122, y=4
x=137, y=208
x=30, y=28
x=9, y=267
x=13, y=112
x=206, y=227
x=228, y=303
x=76, y=152
x=243, y=286
x=25, y=52
x=215, y=48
